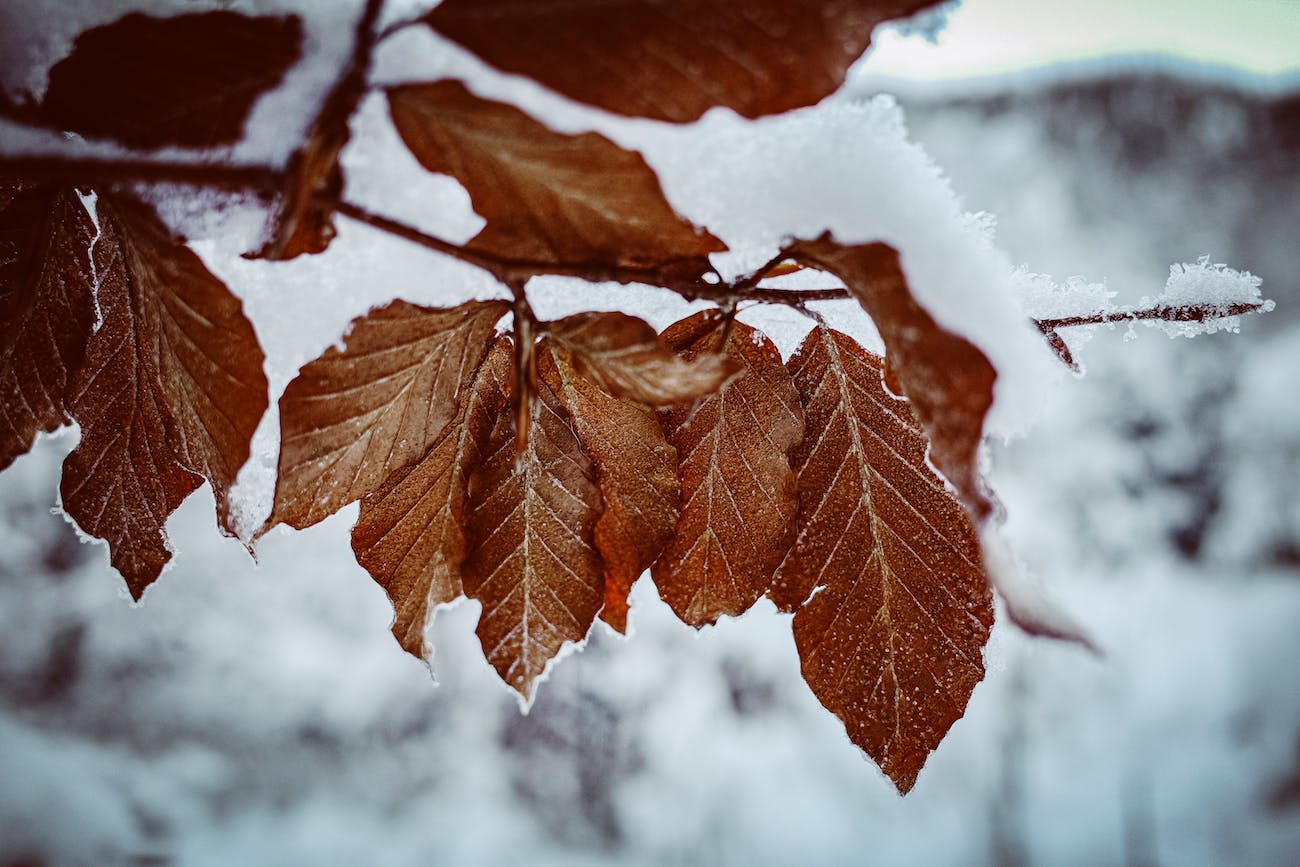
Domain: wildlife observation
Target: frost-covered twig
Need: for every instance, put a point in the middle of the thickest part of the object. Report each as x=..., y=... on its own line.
x=1160, y=312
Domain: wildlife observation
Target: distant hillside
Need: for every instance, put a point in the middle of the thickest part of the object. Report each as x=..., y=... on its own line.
x=1119, y=175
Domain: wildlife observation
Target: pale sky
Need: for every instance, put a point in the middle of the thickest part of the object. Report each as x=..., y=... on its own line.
x=994, y=36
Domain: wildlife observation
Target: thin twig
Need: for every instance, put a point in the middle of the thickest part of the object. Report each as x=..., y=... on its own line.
x=1161, y=312
x=796, y=297
x=1182, y=313
x=415, y=236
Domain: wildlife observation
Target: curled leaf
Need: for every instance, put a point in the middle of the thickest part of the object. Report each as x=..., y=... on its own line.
x=947, y=379
x=626, y=357
x=190, y=80
x=355, y=415
x=738, y=500
x=636, y=470
x=551, y=200
x=892, y=644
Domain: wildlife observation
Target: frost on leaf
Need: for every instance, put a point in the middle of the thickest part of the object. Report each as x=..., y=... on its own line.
x=169, y=394
x=948, y=381
x=357, y=414
x=410, y=535
x=533, y=561
x=46, y=308
x=190, y=80
x=674, y=59
x=626, y=357
x=738, y=499
x=636, y=470
x=893, y=643
x=551, y=200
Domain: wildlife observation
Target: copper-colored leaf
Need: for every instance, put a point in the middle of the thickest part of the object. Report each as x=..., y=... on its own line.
x=738, y=490
x=551, y=200
x=533, y=562
x=674, y=59
x=627, y=358
x=357, y=414
x=636, y=469
x=410, y=535
x=190, y=80
x=46, y=308
x=947, y=379
x=169, y=394
x=893, y=643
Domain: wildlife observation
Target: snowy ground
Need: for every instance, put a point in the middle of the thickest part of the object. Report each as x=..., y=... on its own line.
x=262, y=714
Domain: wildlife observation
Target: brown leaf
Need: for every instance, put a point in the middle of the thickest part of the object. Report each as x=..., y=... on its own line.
x=169, y=394
x=410, y=535
x=46, y=308
x=354, y=416
x=893, y=643
x=551, y=200
x=636, y=469
x=947, y=379
x=190, y=80
x=674, y=59
x=625, y=356
x=738, y=499
x=533, y=562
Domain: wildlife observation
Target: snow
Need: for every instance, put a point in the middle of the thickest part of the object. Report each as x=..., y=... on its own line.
x=1214, y=287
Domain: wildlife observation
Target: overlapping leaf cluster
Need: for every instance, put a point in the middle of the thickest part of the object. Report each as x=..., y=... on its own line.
x=541, y=470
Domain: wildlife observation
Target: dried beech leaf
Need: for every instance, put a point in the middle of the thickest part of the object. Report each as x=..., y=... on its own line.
x=533, y=562
x=738, y=499
x=551, y=200
x=169, y=394
x=357, y=414
x=636, y=469
x=190, y=80
x=46, y=308
x=674, y=59
x=625, y=356
x=893, y=643
x=410, y=535
x=947, y=379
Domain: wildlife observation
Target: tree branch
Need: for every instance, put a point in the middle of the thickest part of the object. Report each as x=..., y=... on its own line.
x=262, y=180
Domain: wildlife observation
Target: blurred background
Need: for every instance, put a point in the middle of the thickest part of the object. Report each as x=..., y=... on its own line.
x=264, y=715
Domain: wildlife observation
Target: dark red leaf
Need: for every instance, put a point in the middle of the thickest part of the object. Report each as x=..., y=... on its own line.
x=674, y=59
x=190, y=80
x=47, y=309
